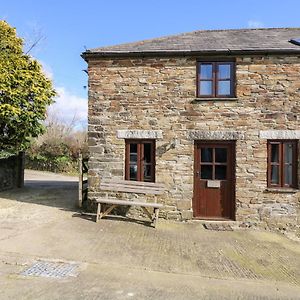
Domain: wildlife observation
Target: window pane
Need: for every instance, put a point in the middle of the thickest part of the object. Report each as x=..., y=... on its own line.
x=288, y=152
x=224, y=88
x=206, y=172
x=220, y=172
x=221, y=155
x=206, y=154
x=147, y=153
x=224, y=71
x=274, y=153
x=274, y=175
x=147, y=173
x=288, y=174
x=133, y=153
x=133, y=172
x=206, y=71
x=205, y=88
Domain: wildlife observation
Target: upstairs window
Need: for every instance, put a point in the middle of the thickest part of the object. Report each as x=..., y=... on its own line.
x=215, y=79
x=140, y=160
x=282, y=164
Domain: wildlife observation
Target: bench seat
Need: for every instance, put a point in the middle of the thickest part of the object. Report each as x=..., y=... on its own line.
x=128, y=202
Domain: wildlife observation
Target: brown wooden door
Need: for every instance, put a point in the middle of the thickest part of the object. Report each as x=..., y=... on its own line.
x=214, y=180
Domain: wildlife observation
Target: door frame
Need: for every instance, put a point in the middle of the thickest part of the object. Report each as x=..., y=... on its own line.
x=232, y=143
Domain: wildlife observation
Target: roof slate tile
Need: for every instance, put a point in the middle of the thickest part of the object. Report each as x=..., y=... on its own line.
x=211, y=41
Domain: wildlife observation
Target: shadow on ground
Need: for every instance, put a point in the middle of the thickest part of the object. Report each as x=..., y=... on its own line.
x=47, y=189
x=92, y=217
x=50, y=184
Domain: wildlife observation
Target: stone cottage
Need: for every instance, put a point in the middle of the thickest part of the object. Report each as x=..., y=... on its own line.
x=214, y=115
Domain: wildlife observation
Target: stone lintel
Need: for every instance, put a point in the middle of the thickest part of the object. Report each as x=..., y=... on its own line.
x=216, y=135
x=139, y=134
x=279, y=134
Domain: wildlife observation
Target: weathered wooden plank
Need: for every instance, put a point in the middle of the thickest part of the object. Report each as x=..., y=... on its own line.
x=80, y=181
x=83, y=184
x=131, y=190
x=134, y=183
x=84, y=166
x=125, y=202
x=132, y=186
x=125, y=185
x=113, y=185
x=98, y=212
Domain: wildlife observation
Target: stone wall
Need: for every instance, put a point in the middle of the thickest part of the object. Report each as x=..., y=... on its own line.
x=159, y=94
x=12, y=172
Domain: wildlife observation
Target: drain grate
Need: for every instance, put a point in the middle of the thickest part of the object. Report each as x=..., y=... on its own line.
x=218, y=227
x=51, y=269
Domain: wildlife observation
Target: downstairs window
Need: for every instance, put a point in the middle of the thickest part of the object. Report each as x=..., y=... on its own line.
x=140, y=160
x=282, y=164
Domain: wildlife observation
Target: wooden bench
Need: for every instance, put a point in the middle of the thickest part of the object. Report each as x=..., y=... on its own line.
x=127, y=186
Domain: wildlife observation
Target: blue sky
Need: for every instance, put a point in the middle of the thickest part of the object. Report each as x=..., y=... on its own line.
x=68, y=26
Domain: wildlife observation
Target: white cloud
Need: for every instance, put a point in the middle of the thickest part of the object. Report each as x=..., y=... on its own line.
x=255, y=24
x=69, y=109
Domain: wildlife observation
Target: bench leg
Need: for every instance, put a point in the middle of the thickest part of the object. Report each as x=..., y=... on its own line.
x=100, y=215
x=147, y=213
x=105, y=213
x=98, y=212
x=155, y=218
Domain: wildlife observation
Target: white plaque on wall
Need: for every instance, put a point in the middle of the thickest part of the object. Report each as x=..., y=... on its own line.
x=213, y=184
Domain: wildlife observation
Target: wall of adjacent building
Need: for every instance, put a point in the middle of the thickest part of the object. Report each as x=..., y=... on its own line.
x=159, y=94
x=12, y=172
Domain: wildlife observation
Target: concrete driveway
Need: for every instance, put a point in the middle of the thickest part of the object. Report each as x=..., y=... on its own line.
x=127, y=259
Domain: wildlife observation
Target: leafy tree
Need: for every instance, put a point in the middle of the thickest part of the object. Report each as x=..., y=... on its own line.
x=25, y=93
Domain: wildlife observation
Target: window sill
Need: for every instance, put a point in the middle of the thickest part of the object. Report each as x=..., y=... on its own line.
x=196, y=100
x=282, y=190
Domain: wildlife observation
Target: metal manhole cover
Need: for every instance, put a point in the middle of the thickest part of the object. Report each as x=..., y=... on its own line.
x=218, y=227
x=51, y=269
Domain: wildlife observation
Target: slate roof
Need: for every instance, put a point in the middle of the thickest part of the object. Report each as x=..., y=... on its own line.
x=208, y=41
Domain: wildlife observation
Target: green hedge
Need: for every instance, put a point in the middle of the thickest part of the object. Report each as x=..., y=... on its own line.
x=57, y=164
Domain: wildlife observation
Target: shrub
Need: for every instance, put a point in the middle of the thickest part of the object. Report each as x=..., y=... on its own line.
x=57, y=150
